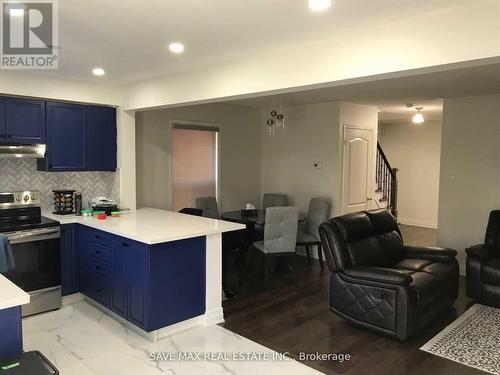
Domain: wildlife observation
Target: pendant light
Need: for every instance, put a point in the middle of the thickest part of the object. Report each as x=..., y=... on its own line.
x=419, y=117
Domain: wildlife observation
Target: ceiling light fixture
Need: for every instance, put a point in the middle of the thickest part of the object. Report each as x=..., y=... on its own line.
x=419, y=117
x=98, y=72
x=319, y=5
x=176, y=47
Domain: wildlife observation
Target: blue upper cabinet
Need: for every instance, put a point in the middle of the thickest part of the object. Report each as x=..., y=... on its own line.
x=66, y=137
x=80, y=138
x=2, y=120
x=101, y=136
x=24, y=121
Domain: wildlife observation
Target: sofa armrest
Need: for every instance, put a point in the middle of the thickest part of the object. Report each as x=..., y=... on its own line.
x=483, y=252
x=379, y=274
x=430, y=253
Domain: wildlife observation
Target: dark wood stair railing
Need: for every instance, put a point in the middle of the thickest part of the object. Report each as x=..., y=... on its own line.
x=387, y=181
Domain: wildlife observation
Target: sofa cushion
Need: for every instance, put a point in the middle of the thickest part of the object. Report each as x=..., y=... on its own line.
x=391, y=248
x=491, y=272
x=365, y=252
x=354, y=227
x=428, y=277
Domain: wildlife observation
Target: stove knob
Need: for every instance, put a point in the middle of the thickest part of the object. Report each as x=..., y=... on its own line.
x=19, y=197
x=26, y=198
x=33, y=197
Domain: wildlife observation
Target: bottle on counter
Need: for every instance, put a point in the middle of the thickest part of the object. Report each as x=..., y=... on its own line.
x=78, y=204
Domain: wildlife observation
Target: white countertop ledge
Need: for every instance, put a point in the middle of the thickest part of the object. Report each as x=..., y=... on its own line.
x=11, y=295
x=152, y=226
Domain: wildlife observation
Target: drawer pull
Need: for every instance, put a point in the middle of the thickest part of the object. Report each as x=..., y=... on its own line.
x=98, y=236
x=124, y=244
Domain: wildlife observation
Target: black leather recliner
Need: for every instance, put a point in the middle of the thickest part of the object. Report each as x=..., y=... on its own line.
x=379, y=283
x=483, y=265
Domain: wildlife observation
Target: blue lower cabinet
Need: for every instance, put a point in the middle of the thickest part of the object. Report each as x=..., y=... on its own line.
x=150, y=286
x=11, y=337
x=69, y=259
x=118, y=301
x=137, y=271
x=177, y=281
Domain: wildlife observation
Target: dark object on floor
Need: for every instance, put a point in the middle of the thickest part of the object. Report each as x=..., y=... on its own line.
x=483, y=265
x=191, y=211
x=379, y=283
x=29, y=363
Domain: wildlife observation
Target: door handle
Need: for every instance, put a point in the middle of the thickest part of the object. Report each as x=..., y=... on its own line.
x=369, y=199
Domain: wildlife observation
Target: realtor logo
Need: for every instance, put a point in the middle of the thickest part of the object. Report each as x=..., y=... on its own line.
x=29, y=35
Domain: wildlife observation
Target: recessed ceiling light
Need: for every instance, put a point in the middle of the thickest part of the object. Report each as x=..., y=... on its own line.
x=319, y=5
x=176, y=47
x=98, y=72
x=16, y=12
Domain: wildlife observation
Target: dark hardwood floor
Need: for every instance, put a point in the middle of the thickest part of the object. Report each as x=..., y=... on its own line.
x=294, y=317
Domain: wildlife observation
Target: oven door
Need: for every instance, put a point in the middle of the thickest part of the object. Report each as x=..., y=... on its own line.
x=37, y=256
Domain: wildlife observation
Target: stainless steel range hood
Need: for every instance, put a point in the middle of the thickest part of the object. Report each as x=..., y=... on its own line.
x=35, y=151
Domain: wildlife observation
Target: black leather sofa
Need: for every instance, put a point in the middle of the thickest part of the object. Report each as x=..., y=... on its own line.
x=483, y=265
x=379, y=283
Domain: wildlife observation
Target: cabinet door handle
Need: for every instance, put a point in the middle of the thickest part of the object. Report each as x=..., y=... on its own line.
x=125, y=244
x=98, y=236
x=99, y=290
x=98, y=251
x=97, y=267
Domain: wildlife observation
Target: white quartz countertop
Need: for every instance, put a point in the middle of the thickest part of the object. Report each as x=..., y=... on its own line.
x=152, y=226
x=11, y=295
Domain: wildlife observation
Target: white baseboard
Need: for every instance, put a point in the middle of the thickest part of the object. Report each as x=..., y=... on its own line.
x=418, y=223
x=213, y=317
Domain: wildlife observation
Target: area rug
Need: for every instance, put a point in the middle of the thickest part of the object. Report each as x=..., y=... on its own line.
x=472, y=340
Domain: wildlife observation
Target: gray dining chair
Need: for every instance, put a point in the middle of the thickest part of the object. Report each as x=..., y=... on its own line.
x=209, y=207
x=309, y=235
x=274, y=200
x=280, y=236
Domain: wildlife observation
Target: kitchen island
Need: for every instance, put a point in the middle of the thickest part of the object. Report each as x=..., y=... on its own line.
x=11, y=299
x=155, y=271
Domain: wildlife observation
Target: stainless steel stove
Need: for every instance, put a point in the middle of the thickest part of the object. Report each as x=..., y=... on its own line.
x=35, y=242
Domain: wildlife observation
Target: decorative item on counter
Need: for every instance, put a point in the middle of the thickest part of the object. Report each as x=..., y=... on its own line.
x=103, y=204
x=78, y=204
x=249, y=211
x=115, y=214
x=63, y=201
x=97, y=213
x=102, y=216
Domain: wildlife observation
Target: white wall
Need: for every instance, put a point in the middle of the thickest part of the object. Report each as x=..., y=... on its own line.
x=287, y=161
x=239, y=153
x=416, y=151
x=314, y=132
x=470, y=170
x=448, y=35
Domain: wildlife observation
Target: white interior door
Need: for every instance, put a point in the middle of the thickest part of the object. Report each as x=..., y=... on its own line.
x=358, y=170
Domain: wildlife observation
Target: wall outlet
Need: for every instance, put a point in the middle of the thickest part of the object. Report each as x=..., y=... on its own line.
x=318, y=165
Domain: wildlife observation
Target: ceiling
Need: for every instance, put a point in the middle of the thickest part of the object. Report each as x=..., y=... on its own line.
x=129, y=39
x=392, y=95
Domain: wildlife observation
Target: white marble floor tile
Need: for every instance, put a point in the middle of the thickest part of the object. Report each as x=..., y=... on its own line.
x=81, y=340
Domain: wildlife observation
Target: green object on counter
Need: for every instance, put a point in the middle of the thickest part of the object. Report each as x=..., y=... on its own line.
x=86, y=212
x=95, y=213
x=12, y=365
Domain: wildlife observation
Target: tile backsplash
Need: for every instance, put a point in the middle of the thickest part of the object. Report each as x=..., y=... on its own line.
x=21, y=174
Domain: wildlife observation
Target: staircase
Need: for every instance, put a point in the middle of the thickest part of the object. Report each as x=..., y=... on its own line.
x=386, y=179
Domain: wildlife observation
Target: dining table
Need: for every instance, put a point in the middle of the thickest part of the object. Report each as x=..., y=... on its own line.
x=250, y=218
